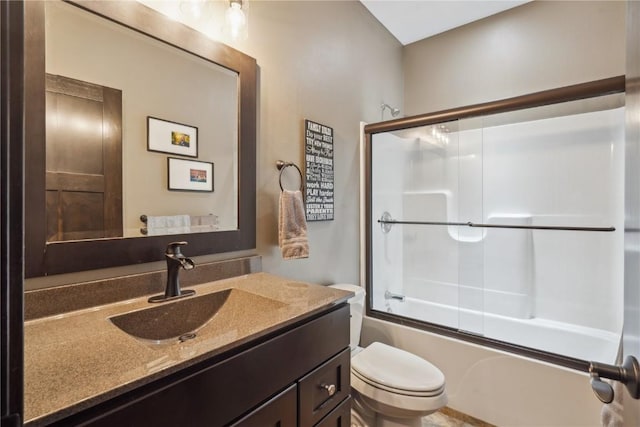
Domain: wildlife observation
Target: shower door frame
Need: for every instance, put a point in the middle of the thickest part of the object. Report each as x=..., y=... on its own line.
x=575, y=92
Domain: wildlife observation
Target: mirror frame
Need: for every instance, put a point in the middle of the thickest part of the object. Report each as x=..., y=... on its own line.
x=42, y=258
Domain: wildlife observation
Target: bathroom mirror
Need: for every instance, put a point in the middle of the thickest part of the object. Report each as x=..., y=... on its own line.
x=157, y=103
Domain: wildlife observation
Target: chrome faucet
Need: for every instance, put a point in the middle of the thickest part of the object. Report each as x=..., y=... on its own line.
x=175, y=261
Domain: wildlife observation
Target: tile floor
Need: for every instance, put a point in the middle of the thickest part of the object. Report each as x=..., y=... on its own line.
x=450, y=418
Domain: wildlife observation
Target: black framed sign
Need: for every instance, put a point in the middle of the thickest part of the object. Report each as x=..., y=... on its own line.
x=318, y=149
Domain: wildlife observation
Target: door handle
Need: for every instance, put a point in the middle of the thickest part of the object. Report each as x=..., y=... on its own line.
x=628, y=374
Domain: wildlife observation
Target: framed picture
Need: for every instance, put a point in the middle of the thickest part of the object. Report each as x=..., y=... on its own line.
x=190, y=175
x=169, y=137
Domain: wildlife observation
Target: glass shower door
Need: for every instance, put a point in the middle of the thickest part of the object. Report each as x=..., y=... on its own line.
x=471, y=241
x=560, y=290
x=507, y=227
x=416, y=247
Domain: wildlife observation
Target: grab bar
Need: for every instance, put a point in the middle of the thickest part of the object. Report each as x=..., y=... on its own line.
x=386, y=221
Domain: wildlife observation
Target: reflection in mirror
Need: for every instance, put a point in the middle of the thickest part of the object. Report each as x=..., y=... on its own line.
x=83, y=160
x=104, y=83
x=120, y=72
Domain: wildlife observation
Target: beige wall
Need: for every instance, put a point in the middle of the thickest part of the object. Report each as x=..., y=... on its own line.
x=333, y=63
x=537, y=46
x=330, y=62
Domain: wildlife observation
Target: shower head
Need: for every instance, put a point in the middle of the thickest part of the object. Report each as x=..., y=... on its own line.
x=394, y=111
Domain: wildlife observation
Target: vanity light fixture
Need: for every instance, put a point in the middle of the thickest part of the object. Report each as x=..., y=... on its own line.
x=236, y=19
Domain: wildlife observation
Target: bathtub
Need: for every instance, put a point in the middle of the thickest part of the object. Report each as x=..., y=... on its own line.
x=566, y=339
x=501, y=388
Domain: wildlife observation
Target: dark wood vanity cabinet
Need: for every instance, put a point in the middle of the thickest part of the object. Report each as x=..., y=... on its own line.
x=320, y=398
x=298, y=376
x=311, y=400
x=280, y=411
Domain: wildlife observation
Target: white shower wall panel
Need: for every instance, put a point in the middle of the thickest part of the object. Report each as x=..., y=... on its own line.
x=428, y=164
x=469, y=197
x=430, y=252
x=563, y=171
x=387, y=256
x=508, y=268
x=577, y=278
x=388, y=248
x=559, y=166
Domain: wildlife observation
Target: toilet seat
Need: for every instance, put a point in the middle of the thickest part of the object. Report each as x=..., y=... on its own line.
x=396, y=383
x=402, y=373
x=379, y=386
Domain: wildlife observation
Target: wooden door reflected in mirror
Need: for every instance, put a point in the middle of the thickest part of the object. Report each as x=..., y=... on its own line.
x=83, y=160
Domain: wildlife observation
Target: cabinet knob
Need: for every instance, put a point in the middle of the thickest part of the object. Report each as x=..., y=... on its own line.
x=330, y=388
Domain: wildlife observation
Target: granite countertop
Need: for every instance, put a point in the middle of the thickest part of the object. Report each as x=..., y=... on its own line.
x=78, y=359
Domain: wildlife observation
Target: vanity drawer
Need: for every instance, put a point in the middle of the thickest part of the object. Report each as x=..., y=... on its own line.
x=323, y=388
x=339, y=417
x=279, y=411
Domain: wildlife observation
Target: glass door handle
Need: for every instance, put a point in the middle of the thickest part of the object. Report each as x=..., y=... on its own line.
x=628, y=373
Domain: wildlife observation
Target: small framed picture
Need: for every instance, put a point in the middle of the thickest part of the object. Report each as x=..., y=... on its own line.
x=190, y=175
x=164, y=136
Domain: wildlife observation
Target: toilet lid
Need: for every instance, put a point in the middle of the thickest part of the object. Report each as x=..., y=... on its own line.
x=397, y=369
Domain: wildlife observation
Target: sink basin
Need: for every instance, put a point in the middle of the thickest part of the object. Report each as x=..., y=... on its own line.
x=174, y=319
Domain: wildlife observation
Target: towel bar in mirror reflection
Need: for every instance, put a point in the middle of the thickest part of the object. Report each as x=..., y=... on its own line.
x=178, y=224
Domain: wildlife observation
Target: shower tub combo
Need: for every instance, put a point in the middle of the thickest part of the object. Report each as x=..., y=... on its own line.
x=502, y=228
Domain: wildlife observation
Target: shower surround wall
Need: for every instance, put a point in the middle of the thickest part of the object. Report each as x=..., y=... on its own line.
x=554, y=171
x=531, y=287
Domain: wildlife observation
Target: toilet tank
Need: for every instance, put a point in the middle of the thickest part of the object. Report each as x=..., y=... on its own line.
x=356, y=307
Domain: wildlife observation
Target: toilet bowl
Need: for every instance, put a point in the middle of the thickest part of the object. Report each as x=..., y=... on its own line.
x=390, y=386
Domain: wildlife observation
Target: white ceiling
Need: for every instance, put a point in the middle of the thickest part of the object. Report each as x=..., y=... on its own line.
x=413, y=20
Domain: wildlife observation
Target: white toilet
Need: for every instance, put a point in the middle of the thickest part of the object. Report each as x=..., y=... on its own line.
x=390, y=387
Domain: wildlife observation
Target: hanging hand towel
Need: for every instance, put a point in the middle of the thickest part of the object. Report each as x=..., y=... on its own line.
x=292, y=226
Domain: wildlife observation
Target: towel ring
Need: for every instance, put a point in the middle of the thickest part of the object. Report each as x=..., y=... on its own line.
x=282, y=165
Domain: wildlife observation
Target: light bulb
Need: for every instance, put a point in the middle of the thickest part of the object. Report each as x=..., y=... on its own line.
x=194, y=9
x=236, y=20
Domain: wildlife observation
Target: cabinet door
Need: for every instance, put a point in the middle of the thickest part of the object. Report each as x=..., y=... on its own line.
x=281, y=411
